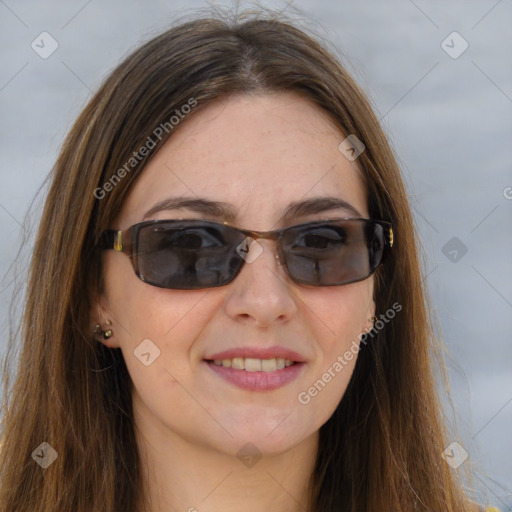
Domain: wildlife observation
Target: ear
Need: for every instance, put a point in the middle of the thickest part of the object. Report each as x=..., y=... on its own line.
x=101, y=315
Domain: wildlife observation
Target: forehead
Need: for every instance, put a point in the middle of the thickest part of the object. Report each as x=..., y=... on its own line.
x=257, y=152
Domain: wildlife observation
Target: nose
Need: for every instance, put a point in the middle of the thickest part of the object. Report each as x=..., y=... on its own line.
x=261, y=293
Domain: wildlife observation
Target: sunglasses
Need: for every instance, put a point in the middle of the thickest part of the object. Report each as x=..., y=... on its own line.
x=193, y=254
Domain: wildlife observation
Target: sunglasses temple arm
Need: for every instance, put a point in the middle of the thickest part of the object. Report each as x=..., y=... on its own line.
x=390, y=237
x=111, y=239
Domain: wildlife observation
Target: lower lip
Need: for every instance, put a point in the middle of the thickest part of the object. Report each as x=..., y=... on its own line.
x=258, y=381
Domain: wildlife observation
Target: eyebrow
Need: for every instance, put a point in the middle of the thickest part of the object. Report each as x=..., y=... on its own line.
x=222, y=210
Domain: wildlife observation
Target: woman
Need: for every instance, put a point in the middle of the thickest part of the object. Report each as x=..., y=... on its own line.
x=225, y=308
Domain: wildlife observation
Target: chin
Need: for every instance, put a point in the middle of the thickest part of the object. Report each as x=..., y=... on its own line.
x=267, y=436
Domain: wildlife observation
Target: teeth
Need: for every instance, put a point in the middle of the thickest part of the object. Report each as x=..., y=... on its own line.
x=268, y=365
x=238, y=363
x=251, y=364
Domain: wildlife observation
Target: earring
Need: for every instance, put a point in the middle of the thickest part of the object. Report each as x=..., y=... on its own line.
x=373, y=319
x=100, y=334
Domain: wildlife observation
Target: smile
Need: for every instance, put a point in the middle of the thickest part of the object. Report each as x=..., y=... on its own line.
x=250, y=364
x=253, y=374
x=256, y=368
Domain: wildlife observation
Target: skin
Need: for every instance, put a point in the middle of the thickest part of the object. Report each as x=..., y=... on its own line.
x=260, y=153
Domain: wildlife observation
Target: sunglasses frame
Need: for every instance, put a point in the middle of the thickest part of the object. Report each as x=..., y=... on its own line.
x=123, y=241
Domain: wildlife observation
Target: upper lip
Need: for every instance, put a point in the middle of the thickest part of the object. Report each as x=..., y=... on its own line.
x=258, y=353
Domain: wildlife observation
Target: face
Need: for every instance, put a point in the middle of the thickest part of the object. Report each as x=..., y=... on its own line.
x=259, y=154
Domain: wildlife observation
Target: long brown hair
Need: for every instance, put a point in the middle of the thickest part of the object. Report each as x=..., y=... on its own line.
x=380, y=450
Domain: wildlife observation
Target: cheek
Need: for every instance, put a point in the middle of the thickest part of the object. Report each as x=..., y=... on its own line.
x=340, y=315
x=153, y=324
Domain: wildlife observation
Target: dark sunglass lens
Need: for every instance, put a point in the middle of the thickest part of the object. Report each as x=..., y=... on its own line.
x=333, y=253
x=375, y=239
x=188, y=255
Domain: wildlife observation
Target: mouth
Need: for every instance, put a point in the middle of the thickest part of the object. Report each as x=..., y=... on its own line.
x=264, y=373
x=252, y=364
